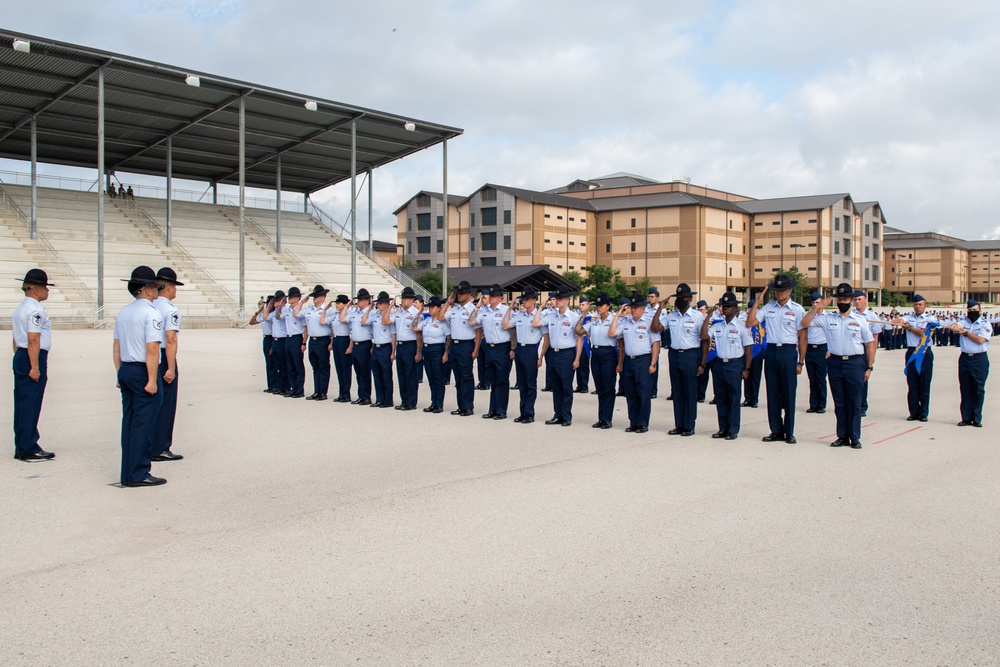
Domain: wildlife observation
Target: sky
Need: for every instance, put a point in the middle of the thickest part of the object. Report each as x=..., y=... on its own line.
x=891, y=100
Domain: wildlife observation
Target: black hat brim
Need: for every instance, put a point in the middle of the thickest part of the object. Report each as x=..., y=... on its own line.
x=792, y=286
x=35, y=282
x=320, y=293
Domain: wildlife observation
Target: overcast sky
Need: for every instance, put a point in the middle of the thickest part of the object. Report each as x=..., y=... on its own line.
x=890, y=100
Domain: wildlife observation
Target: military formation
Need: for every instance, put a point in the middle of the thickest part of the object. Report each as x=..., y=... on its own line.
x=382, y=349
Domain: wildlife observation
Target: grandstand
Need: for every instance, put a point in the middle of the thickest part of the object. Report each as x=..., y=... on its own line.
x=203, y=251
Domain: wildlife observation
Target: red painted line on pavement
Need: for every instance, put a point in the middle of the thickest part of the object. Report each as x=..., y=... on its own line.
x=897, y=435
x=833, y=435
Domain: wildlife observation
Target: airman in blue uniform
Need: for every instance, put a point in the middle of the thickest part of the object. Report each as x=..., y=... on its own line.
x=525, y=339
x=270, y=363
x=583, y=372
x=603, y=355
x=342, y=360
x=138, y=332
x=876, y=325
x=463, y=346
x=974, y=332
x=638, y=356
x=784, y=357
x=918, y=394
x=319, y=333
x=684, y=324
x=279, y=334
x=489, y=318
x=32, y=341
x=407, y=354
x=360, y=349
x=564, y=348
x=816, y=366
x=851, y=361
x=163, y=438
x=733, y=346
x=383, y=350
x=295, y=344
x=433, y=338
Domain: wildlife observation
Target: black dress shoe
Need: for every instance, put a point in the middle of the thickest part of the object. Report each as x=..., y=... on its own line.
x=965, y=422
x=518, y=420
x=456, y=412
x=773, y=437
x=438, y=410
x=621, y=393
x=855, y=444
x=553, y=421
x=675, y=431
x=528, y=420
x=566, y=423
x=488, y=415
x=819, y=411
x=375, y=405
x=599, y=424
x=312, y=398
x=407, y=408
x=466, y=413
x=864, y=413
x=430, y=409
x=719, y=434
x=791, y=440
x=363, y=401
x=688, y=433
x=37, y=456
x=606, y=425
x=400, y=407
x=167, y=456
x=651, y=396
x=976, y=424
x=581, y=391
x=298, y=394
x=812, y=410
x=701, y=400
x=149, y=481
x=923, y=419
x=640, y=429
x=546, y=389
x=268, y=391
x=321, y=397
x=712, y=402
x=912, y=418
x=499, y=417
x=731, y=436
x=594, y=392
x=670, y=397
x=746, y=404
x=387, y=405
x=840, y=442
x=631, y=429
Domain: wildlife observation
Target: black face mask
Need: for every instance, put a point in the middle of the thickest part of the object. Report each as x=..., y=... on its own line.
x=973, y=315
x=682, y=304
x=843, y=307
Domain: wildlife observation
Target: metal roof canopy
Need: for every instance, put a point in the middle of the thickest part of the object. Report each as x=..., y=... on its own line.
x=511, y=278
x=146, y=103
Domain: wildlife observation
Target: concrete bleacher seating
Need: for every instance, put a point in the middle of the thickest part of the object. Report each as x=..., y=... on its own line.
x=205, y=252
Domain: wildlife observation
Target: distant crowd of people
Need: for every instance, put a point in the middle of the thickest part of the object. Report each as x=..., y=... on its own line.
x=121, y=193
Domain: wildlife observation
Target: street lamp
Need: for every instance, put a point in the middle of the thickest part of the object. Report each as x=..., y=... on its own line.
x=796, y=246
x=966, y=280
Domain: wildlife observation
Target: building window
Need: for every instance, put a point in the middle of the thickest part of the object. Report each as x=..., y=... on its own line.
x=440, y=245
x=633, y=270
x=847, y=246
x=489, y=241
x=440, y=266
x=409, y=224
x=875, y=230
x=847, y=224
x=472, y=244
x=758, y=270
x=558, y=217
x=571, y=267
x=547, y=215
x=489, y=217
x=836, y=223
x=423, y=222
x=572, y=242
x=423, y=245
x=607, y=247
x=633, y=223
x=730, y=247
x=547, y=241
x=506, y=262
x=813, y=221
x=793, y=222
x=868, y=229
x=867, y=252
x=488, y=261
x=488, y=194
x=812, y=245
x=558, y=266
x=506, y=243
x=583, y=244
x=836, y=270
x=558, y=241
x=758, y=247
x=776, y=222
x=607, y=224
x=423, y=201
x=633, y=247
x=875, y=249
x=440, y=222
x=506, y=217
x=812, y=268
x=572, y=220
x=836, y=247
x=867, y=274
x=472, y=220
x=847, y=270
x=776, y=246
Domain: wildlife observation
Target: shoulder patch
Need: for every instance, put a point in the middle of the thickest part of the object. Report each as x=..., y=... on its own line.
x=175, y=318
x=157, y=324
x=36, y=318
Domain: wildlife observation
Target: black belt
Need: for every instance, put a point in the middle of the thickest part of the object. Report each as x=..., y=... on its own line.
x=561, y=349
x=597, y=347
x=381, y=345
x=317, y=337
x=498, y=344
x=686, y=349
x=726, y=361
x=268, y=336
x=462, y=340
x=816, y=345
x=432, y=344
x=362, y=342
x=404, y=342
x=780, y=344
x=344, y=336
x=527, y=344
x=972, y=354
x=845, y=357
x=640, y=356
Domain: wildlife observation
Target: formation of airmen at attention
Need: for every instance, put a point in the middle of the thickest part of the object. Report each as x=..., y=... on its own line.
x=434, y=340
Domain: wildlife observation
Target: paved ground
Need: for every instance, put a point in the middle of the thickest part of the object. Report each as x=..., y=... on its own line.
x=301, y=533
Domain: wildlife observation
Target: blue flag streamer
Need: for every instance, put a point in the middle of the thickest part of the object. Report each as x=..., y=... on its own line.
x=917, y=358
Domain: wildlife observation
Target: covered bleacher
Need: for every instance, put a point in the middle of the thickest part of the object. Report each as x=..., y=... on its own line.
x=70, y=105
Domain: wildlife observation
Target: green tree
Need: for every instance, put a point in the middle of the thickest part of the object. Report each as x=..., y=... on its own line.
x=897, y=299
x=642, y=286
x=603, y=279
x=430, y=280
x=405, y=264
x=574, y=277
x=802, y=291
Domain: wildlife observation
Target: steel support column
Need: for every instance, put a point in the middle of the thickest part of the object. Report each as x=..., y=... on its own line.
x=34, y=179
x=371, y=241
x=444, y=198
x=170, y=191
x=277, y=215
x=354, y=208
x=215, y=193
x=100, y=195
x=243, y=177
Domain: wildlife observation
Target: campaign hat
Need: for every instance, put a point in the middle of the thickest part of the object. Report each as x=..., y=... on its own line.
x=167, y=274
x=319, y=290
x=408, y=293
x=683, y=291
x=383, y=297
x=781, y=281
x=37, y=277
x=844, y=290
x=729, y=299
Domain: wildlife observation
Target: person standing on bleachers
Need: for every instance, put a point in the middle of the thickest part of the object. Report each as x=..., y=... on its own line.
x=320, y=335
x=32, y=340
x=339, y=347
x=163, y=437
x=121, y=191
x=138, y=333
x=360, y=349
x=295, y=346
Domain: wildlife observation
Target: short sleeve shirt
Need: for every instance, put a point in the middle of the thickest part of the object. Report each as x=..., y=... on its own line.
x=845, y=336
x=170, y=315
x=137, y=324
x=730, y=338
x=980, y=327
x=685, y=328
x=30, y=317
x=560, y=328
x=781, y=323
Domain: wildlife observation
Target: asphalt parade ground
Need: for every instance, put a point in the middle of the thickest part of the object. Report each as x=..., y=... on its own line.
x=303, y=533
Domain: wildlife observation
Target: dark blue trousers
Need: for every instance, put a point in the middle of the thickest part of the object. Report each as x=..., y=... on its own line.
x=703, y=379
x=465, y=386
x=342, y=363
x=583, y=371
x=406, y=371
x=684, y=386
x=562, y=382
x=435, y=372
x=319, y=359
x=361, y=356
x=526, y=371
x=816, y=370
x=550, y=372
x=163, y=433
x=280, y=362
x=603, y=361
x=498, y=363
x=481, y=369
x=918, y=394
x=270, y=363
x=28, y=401
x=846, y=378
x=139, y=411
x=638, y=385
x=972, y=373
x=751, y=386
x=295, y=363
x=382, y=373
x=727, y=382
x=779, y=370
